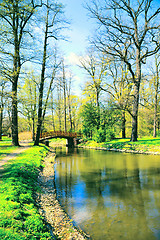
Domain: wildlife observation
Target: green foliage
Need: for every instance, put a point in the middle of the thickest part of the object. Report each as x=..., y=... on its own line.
x=89, y=119
x=110, y=134
x=100, y=135
x=19, y=217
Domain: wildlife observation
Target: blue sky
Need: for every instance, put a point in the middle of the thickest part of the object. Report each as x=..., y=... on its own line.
x=80, y=26
x=80, y=29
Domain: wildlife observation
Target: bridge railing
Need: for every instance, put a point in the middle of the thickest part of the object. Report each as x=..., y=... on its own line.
x=60, y=134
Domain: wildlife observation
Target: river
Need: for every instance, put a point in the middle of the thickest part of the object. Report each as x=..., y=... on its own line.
x=110, y=195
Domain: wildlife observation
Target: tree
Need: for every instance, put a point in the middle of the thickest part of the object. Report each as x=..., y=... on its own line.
x=52, y=21
x=95, y=67
x=156, y=86
x=128, y=30
x=89, y=115
x=64, y=85
x=15, y=16
x=28, y=100
x=119, y=87
x=2, y=86
x=69, y=101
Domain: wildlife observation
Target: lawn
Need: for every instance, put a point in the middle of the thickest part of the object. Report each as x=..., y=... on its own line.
x=19, y=216
x=6, y=147
x=147, y=144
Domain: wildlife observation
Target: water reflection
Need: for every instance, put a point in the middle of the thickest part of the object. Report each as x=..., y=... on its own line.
x=110, y=195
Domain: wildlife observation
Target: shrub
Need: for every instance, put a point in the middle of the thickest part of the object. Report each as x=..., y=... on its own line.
x=110, y=135
x=99, y=135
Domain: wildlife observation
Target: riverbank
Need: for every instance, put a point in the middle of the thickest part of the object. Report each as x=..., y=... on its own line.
x=142, y=146
x=28, y=206
x=19, y=218
x=57, y=220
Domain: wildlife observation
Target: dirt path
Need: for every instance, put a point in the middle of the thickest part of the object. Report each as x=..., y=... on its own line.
x=13, y=155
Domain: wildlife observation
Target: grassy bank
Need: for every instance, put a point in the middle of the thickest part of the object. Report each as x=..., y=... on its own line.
x=144, y=145
x=6, y=147
x=19, y=217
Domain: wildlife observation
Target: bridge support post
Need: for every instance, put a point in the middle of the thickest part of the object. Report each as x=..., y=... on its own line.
x=70, y=142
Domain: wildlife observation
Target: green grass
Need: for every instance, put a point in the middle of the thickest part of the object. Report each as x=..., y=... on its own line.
x=19, y=217
x=6, y=147
x=147, y=144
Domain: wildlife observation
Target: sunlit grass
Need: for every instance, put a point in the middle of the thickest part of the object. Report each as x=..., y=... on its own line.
x=19, y=218
x=146, y=144
x=6, y=147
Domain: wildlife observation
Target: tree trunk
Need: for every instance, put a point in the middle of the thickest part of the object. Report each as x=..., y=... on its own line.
x=134, y=134
x=69, y=105
x=137, y=81
x=40, y=103
x=1, y=113
x=52, y=110
x=98, y=108
x=33, y=129
x=64, y=95
x=155, y=116
x=1, y=118
x=14, y=115
x=123, y=125
x=156, y=83
x=59, y=108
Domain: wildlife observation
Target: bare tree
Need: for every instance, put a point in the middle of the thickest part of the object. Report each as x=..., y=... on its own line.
x=129, y=31
x=95, y=66
x=69, y=101
x=52, y=27
x=119, y=87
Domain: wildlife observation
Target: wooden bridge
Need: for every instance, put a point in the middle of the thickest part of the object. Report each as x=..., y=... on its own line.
x=72, y=137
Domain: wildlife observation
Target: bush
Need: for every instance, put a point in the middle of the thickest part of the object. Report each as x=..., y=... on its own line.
x=110, y=135
x=100, y=135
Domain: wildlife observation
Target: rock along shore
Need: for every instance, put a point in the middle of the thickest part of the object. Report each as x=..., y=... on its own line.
x=59, y=223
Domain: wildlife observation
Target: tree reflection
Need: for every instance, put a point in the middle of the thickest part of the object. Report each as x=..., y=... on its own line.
x=113, y=194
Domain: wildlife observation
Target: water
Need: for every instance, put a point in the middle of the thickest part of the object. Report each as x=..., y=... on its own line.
x=110, y=195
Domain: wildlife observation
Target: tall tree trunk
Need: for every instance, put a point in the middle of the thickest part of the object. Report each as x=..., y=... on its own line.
x=52, y=110
x=137, y=81
x=64, y=95
x=59, y=107
x=156, y=83
x=134, y=134
x=123, y=124
x=15, y=141
x=1, y=113
x=69, y=105
x=40, y=103
x=155, y=115
x=98, y=107
x=1, y=118
x=34, y=114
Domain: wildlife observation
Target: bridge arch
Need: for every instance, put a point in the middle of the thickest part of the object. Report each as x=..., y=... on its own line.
x=71, y=137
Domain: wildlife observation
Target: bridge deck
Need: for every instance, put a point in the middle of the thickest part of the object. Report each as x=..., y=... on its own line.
x=60, y=134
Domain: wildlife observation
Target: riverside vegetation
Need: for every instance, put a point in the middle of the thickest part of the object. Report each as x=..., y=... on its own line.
x=148, y=145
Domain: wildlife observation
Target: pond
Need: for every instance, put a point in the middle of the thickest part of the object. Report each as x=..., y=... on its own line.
x=110, y=195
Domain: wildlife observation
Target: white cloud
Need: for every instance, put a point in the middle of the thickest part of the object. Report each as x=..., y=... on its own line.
x=73, y=58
